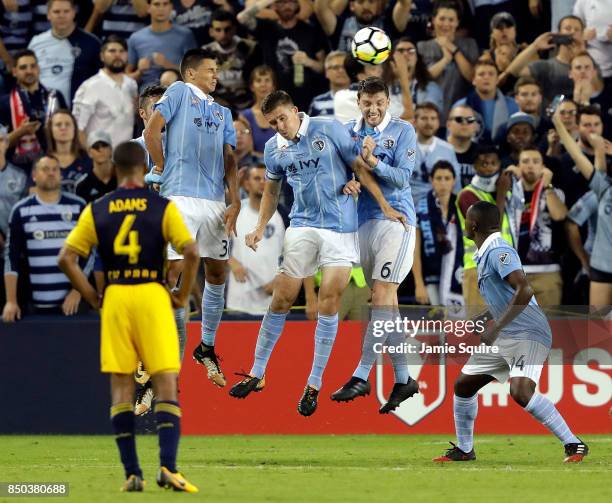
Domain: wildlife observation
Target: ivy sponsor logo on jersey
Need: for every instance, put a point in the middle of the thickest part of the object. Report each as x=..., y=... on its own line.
x=301, y=165
x=431, y=376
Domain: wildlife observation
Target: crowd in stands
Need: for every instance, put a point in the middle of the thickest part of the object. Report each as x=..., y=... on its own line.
x=478, y=79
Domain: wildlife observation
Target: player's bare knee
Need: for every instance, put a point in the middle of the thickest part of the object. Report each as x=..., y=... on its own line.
x=521, y=391
x=383, y=294
x=165, y=386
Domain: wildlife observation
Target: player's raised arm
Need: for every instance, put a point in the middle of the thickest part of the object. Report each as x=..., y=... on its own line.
x=269, y=203
x=153, y=139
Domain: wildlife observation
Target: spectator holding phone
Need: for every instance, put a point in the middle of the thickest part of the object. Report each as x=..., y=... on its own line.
x=552, y=74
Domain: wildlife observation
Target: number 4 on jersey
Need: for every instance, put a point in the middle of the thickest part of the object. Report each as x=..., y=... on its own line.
x=126, y=241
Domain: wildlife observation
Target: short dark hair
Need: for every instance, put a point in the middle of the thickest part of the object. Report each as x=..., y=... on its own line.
x=128, y=156
x=440, y=165
x=530, y=147
x=113, y=39
x=486, y=215
x=486, y=149
x=427, y=105
x=527, y=80
x=223, y=15
x=24, y=53
x=372, y=85
x=152, y=91
x=45, y=156
x=263, y=70
x=194, y=57
x=275, y=99
x=587, y=110
x=485, y=62
x=51, y=2
x=447, y=4
x=571, y=16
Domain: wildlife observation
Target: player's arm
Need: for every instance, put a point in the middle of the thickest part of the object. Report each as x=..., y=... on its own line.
x=326, y=16
x=269, y=203
x=78, y=244
x=231, y=175
x=360, y=168
x=399, y=173
x=153, y=139
x=401, y=14
x=522, y=295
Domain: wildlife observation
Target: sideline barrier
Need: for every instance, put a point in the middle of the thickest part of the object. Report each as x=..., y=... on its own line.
x=50, y=384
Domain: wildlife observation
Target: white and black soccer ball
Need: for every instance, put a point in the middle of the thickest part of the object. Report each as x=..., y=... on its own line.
x=371, y=45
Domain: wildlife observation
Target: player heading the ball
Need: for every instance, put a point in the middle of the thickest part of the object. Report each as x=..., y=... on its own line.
x=318, y=158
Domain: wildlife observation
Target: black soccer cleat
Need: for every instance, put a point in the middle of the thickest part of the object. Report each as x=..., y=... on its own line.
x=308, y=403
x=399, y=393
x=456, y=454
x=354, y=388
x=205, y=355
x=133, y=483
x=574, y=453
x=247, y=385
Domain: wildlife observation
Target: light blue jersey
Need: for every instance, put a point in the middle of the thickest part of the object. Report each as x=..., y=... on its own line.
x=197, y=128
x=496, y=259
x=317, y=168
x=396, y=151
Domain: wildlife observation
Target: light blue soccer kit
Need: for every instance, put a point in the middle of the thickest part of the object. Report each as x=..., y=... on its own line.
x=323, y=225
x=525, y=342
x=197, y=129
x=387, y=247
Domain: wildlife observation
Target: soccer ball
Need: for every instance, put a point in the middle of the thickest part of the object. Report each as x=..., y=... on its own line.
x=371, y=45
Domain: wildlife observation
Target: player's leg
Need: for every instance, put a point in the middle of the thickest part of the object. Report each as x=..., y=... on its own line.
x=286, y=290
x=168, y=419
x=213, y=245
x=122, y=419
x=526, y=366
x=333, y=282
x=213, y=301
x=465, y=410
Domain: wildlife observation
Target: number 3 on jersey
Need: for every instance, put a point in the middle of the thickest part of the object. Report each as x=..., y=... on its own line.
x=126, y=241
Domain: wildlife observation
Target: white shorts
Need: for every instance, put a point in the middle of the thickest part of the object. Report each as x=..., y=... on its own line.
x=516, y=358
x=387, y=250
x=306, y=249
x=204, y=220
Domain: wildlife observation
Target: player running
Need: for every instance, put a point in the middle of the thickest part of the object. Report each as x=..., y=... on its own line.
x=522, y=336
x=131, y=228
x=316, y=155
x=386, y=246
x=194, y=164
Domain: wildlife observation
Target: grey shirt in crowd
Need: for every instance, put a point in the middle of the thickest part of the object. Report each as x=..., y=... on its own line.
x=13, y=183
x=602, y=247
x=452, y=83
x=553, y=77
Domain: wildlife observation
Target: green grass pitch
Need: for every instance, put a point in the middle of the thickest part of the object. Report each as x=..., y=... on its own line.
x=372, y=468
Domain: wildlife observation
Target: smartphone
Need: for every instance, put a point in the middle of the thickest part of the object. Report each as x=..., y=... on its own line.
x=560, y=39
x=554, y=104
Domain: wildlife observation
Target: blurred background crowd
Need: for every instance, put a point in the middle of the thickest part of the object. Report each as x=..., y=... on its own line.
x=477, y=79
